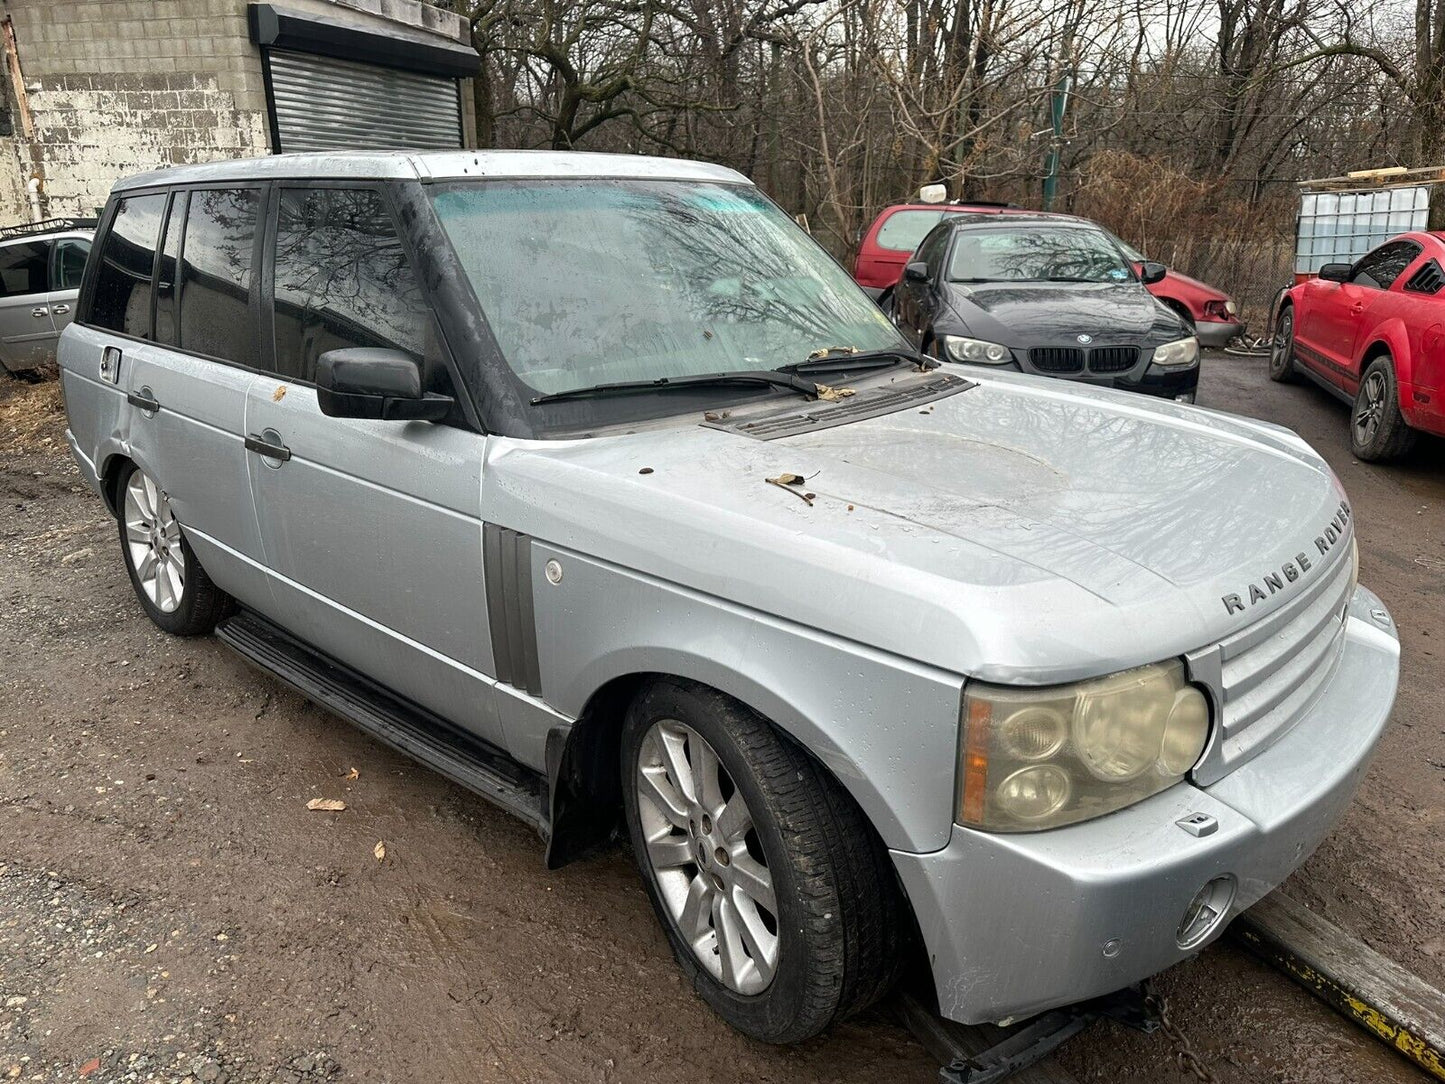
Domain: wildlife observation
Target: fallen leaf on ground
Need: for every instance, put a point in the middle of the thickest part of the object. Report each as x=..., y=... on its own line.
x=832, y=395
x=353, y=774
x=85, y=1070
x=326, y=805
x=379, y=850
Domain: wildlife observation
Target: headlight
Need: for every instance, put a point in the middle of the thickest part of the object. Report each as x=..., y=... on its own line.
x=1230, y=307
x=1045, y=757
x=975, y=351
x=1178, y=353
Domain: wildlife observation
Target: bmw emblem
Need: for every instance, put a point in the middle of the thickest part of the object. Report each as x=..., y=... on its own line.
x=1085, y=340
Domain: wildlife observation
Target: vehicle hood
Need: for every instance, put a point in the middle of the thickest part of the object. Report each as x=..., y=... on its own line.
x=1026, y=314
x=1023, y=530
x=1179, y=278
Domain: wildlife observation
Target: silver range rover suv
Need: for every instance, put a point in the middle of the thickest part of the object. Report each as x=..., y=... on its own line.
x=593, y=483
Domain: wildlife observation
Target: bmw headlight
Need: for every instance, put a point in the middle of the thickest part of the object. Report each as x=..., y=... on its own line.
x=1043, y=757
x=1179, y=353
x=975, y=351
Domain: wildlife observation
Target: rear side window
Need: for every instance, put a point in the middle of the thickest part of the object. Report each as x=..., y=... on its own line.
x=902, y=230
x=342, y=280
x=23, y=268
x=70, y=264
x=218, y=275
x=121, y=299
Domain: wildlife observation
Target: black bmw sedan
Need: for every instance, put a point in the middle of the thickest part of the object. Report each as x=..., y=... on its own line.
x=1045, y=294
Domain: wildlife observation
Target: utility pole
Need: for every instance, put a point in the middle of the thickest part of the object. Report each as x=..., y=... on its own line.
x=1058, y=103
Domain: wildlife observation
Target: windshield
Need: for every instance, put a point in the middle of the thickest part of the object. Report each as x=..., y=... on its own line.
x=1037, y=253
x=587, y=282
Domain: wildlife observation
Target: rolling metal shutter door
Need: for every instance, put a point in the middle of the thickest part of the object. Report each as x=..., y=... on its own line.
x=323, y=103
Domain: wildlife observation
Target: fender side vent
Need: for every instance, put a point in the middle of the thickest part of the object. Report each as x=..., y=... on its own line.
x=507, y=566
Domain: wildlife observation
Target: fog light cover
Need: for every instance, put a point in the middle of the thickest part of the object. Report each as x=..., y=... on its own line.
x=1206, y=912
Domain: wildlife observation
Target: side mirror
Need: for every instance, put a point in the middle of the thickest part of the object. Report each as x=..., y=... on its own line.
x=917, y=271
x=362, y=382
x=1152, y=271
x=1335, y=272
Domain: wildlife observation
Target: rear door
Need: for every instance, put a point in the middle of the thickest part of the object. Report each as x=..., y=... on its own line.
x=67, y=267
x=372, y=529
x=27, y=333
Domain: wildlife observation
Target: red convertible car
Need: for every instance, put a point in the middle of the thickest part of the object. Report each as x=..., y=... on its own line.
x=1373, y=332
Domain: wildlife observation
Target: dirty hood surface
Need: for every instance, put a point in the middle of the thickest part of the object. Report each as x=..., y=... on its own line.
x=1021, y=530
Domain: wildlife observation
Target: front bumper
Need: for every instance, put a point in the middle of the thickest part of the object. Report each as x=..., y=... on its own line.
x=1215, y=334
x=1017, y=924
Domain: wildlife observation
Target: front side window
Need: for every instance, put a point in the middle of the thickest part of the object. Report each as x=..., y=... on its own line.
x=70, y=263
x=586, y=282
x=217, y=275
x=1037, y=254
x=121, y=298
x=342, y=280
x=1380, y=269
x=903, y=230
x=23, y=268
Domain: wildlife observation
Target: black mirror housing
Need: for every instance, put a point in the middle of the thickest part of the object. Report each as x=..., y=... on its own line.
x=1335, y=272
x=916, y=271
x=1152, y=271
x=380, y=384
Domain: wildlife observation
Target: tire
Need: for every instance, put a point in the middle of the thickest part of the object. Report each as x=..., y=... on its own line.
x=835, y=942
x=1281, y=351
x=1378, y=430
x=170, y=583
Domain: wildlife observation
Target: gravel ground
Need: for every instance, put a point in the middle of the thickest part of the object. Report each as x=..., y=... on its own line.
x=170, y=910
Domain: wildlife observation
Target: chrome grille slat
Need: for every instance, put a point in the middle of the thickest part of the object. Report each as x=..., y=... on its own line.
x=1246, y=669
x=1271, y=689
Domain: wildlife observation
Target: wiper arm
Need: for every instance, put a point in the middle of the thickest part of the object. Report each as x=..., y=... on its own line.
x=771, y=377
x=835, y=362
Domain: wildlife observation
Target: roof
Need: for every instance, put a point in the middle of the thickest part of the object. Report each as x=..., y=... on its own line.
x=435, y=165
x=1015, y=218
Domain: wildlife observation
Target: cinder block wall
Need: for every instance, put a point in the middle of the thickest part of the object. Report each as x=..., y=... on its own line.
x=121, y=86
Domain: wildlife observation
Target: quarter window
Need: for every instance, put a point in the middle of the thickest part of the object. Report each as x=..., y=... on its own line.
x=217, y=275
x=1383, y=266
x=23, y=268
x=343, y=280
x=70, y=264
x=121, y=299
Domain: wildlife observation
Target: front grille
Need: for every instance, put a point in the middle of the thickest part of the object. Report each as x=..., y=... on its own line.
x=1271, y=672
x=1113, y=359
x=1057, y=359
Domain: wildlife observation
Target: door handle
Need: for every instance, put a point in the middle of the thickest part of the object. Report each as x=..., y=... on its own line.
x=1357, y=308
x=143, y=399
x=266, y=449
x=41, y=311
x=60, y=310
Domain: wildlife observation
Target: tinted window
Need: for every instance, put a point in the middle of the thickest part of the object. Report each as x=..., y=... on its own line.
x=166, y=275
x=70, y=264
x=902, y=230
x=1383, y=266
x=342, y=279
x=217, y=274
x=1037, y=254
x=931, y=251
x=122, y=297
x=23, y=268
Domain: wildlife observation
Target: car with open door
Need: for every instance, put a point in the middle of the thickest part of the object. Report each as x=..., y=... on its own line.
x=1046, y=295
x=1370, y=333
x=593, y=483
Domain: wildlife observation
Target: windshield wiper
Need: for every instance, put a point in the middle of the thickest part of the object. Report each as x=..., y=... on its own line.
x=772, y=377
x=840, y=359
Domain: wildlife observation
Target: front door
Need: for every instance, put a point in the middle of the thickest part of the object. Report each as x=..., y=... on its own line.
x=27, y=333
x=372, y=529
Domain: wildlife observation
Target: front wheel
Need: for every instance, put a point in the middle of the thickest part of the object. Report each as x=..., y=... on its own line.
x=775, y=894
x=1378, y=430
x=170, y=583
x=1281, y=351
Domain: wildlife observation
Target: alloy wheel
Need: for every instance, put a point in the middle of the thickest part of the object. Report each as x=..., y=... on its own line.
x=1283, y=344
x=705, y=857
x=1371, y=408
x=153, y=539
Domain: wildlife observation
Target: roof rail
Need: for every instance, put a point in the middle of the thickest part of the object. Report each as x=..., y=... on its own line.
x=48, y=225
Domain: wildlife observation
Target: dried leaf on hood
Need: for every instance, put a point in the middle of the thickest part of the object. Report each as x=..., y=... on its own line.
x=787, y=478
x=326, y=805
x=279, y=393
x=832, y=395
x=787, y=482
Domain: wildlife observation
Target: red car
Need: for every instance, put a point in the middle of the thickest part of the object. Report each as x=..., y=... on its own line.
x=1373, y=332
x=896, y=232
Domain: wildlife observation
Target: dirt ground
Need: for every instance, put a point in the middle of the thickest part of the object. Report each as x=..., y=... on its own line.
x=170, y=910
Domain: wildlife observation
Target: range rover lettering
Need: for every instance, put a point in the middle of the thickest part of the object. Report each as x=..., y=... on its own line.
x=593, y=483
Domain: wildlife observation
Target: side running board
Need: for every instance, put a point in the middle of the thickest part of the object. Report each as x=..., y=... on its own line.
x=405, y=726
